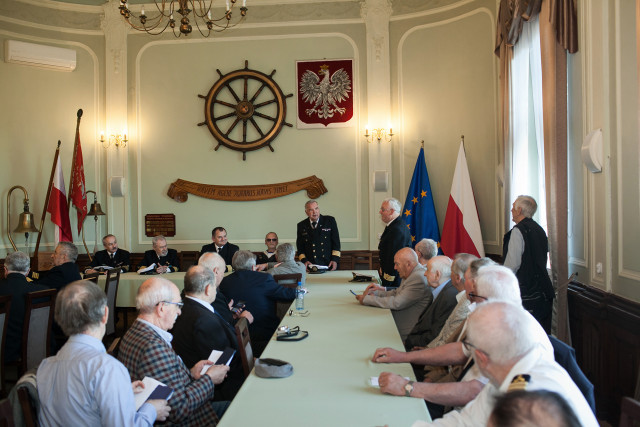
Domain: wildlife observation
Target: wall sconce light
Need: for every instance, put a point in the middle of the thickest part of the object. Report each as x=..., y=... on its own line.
x=117, y=140
x=25, y=223
x=378, y=134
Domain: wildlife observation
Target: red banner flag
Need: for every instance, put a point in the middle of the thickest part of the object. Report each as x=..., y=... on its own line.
x=78, y=195
x=58, y=207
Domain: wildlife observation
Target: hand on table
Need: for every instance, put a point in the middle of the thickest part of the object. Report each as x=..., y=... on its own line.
x=387, y=355
x=392, y=383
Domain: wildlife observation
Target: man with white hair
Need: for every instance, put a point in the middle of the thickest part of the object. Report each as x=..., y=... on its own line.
x=409, y=300
x=82, y=384
x=285, y=254
x=502, y=340
x=214, y=262
x=431, y=321
x=64, y=268
x=525, y=249
x=146, y=352
x=317, y=238
x=163, y=259
x=426, y=249
x=259, y=292
x=394, y=237
x=462, y=385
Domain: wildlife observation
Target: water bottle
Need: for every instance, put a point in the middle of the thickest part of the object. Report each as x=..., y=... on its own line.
x=299, y=297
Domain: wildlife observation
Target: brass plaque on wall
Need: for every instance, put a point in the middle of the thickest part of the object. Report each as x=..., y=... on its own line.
x=156, y=224
x=180, y=189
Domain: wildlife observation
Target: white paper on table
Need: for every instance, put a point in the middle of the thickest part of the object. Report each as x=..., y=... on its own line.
x=144, y=270
x=374, y=381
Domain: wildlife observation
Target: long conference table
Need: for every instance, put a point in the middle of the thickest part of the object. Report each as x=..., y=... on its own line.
x=130, y=282
x=330, y=385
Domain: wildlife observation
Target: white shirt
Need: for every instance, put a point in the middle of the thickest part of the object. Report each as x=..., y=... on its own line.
x=515, y=251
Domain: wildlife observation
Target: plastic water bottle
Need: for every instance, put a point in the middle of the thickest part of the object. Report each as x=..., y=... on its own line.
x=299, y=297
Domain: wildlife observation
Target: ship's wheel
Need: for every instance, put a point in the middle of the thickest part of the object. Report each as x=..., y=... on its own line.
x=245, y=110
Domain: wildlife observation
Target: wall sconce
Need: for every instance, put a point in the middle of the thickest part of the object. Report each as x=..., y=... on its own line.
x=378, y=134
x=25, y=223
x=117, y=140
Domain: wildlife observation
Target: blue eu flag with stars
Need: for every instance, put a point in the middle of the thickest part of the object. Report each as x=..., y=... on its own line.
x=419, y=211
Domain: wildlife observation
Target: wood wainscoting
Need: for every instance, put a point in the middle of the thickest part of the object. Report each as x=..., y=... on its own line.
x=605, y=332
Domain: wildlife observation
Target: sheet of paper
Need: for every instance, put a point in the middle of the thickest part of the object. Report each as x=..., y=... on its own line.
x=374, y=381
x=150, y=385
x=144, y=270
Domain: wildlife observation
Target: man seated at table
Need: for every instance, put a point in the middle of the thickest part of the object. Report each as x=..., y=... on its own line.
x=200, y=329
x=259, y=292
x=269, y=255
x=111, y=256
x=426, y=249
x=82, y=384
x=220, y=245
x=285, y=254
x=501, y=338
x=408, y=300
x=16, y=267
x=146, y=352
x=221, y=305
x=163, y=260
x=430, y=323
x=64, y=268
x=461, y=381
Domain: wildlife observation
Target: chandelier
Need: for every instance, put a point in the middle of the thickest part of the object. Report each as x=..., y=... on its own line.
x=202, y=17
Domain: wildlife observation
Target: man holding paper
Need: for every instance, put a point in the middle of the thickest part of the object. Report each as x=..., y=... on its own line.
x=201, y=329
x=146, y=352
x=82, y=383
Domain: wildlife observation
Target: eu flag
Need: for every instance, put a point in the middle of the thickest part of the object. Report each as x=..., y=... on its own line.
x=419, y=212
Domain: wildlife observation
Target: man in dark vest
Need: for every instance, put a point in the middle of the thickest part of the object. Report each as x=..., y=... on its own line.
x=525, y=250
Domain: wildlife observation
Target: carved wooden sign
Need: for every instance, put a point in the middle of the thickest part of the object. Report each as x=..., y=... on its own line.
x=180, y=189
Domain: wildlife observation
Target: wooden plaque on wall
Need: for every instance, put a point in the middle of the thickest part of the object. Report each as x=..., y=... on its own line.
x=156, y=224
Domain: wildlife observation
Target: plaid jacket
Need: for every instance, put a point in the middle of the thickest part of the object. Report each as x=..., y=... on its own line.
x=145, y=353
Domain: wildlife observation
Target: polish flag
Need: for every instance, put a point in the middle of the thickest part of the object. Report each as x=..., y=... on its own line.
x=461, y=231
x=58, y=207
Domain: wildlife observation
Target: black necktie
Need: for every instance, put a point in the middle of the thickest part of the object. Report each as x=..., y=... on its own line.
x=314, y=224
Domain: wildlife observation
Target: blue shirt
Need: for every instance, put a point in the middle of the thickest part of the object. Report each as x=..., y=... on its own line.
x=437, y=290
x=83, y=386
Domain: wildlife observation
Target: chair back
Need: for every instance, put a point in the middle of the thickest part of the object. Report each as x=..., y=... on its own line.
x=114, y=347
x=29, y=412
x=6, y=413
x=92, y=277
x=244, y=345
x=629, y=412
x=288, y=280
x=362, y=259
x=111, y=289
x=36, y=332
x=5, y=306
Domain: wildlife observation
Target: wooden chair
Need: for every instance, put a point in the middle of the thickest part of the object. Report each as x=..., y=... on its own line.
x=288, y=281
x=36, y=331
x=629, y=412
x=364, y=259
x=188, y=258
x=5, y=305
x=92, y=277
x=28, y=408
x=111, y=289
x=6, y=413
x=114, y=348
x=244, y=345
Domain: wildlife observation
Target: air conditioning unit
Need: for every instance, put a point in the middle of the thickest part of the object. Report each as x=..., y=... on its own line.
x=37, y=55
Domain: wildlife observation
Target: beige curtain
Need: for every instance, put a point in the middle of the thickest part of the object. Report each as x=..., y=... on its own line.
x=558, y=33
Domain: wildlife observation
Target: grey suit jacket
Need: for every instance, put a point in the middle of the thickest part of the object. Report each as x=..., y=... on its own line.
x=407, y=302
x=289, y=267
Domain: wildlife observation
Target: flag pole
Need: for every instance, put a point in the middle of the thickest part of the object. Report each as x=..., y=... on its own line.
x=46, y=201
x=422, y=144
x=75, y=148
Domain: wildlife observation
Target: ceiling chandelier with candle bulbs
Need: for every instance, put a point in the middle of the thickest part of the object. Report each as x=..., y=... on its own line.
x=179, y=15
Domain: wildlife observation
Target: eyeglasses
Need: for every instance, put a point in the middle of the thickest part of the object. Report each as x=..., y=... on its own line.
x=271, y=240
x=469, y=347
x=179, y=304
x=474, y=295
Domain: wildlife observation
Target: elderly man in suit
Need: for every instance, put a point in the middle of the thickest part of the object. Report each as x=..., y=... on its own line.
x=64, y=268
x=318, y=240
x=430, y=323
x=394, y=237
x=16, y=267
x=165, y=260
x=200, y=329
x=285, y=254
x=111, y=256
x=407, y=301
x=146, y=351
x=221, y=246
x=259, y=292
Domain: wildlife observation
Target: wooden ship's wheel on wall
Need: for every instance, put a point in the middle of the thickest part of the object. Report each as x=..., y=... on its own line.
x=245, y=110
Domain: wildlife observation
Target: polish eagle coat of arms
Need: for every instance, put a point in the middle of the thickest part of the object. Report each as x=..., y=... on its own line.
x=324, y=97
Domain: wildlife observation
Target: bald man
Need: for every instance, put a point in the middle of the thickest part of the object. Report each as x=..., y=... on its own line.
x=407, y=301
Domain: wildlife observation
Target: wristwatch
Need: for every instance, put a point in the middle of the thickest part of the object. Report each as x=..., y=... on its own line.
x=408, y=388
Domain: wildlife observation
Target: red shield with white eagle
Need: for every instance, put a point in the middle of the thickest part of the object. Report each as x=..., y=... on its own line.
x=325, y=93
